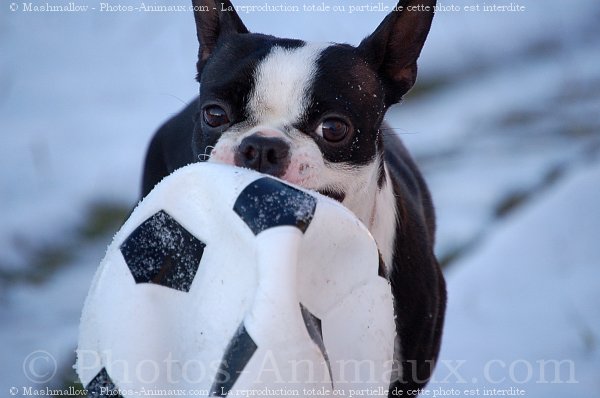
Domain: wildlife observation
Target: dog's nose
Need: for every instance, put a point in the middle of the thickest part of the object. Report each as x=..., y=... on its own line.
x=265, y=154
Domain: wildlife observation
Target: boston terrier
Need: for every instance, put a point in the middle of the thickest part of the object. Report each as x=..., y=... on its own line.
x=312, y=114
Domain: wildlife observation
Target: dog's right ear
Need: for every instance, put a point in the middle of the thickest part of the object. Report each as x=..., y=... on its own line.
x=395, y=45
x=215, y=19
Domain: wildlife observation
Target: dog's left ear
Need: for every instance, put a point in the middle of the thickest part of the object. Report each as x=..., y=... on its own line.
x=215, y=19
x=392, y=50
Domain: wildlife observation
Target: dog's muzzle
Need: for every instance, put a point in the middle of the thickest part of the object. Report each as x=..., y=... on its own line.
x=267, y=155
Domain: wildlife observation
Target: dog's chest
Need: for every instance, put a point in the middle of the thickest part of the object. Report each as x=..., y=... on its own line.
x=376, y=207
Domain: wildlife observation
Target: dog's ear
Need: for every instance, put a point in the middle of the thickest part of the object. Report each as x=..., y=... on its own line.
x=215, y=19
x=392, y=50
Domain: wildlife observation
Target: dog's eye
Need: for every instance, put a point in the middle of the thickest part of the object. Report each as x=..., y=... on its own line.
x=334, y=129
x=215, y=116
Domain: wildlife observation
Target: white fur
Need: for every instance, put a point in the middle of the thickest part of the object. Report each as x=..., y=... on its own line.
x=281, y=82
x=384, y=221
x=374, y=206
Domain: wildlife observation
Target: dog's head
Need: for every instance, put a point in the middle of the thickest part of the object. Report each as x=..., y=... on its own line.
x=309, y=113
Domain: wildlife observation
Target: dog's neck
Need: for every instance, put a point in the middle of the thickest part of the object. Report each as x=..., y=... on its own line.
x=375, y=207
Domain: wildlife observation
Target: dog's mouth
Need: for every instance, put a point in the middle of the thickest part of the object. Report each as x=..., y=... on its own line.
x=333, y=194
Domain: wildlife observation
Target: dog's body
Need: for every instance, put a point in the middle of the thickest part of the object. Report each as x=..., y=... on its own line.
x=312, y=114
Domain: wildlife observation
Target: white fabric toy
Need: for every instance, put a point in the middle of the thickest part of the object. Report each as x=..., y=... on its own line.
x=226, y=282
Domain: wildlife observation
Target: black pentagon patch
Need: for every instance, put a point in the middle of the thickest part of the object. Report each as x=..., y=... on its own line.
x=315, y=331
x=237, y=355
x=268, y=203
x=102, y=386
x=161, y=251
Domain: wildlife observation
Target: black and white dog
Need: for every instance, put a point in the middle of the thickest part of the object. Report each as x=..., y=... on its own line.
x=312, y=114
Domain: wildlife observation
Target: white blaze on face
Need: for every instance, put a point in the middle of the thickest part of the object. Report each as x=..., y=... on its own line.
x=279, y=98
x=281, y=84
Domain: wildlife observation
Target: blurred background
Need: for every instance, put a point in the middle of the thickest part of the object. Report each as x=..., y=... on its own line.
x=504, y=121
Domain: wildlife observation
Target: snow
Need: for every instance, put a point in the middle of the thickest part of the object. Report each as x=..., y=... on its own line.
x=515, y=112
x=43, y=321
x=95, y=106
x=530, y=294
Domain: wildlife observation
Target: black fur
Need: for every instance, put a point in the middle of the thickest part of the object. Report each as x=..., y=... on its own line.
x=417, y=282
x=355, y=94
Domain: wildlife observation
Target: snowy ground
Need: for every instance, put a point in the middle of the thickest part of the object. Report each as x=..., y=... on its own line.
x=505, y=122
x=523, y=307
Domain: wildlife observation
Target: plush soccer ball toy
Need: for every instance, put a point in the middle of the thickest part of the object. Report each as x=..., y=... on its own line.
x=226, y=282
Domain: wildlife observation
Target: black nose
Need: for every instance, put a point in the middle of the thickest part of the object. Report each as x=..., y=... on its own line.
x=265, y=154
